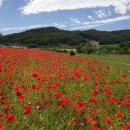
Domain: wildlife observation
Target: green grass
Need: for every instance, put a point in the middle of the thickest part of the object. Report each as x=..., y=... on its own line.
x=120, y=61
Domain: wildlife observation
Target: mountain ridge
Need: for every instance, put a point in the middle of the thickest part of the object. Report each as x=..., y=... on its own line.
x=52, y=36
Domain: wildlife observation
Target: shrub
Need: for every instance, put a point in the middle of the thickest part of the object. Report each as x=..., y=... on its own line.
x=59, y=50
x=32, y=46
x=125, y=47
x=65, y=50
x=109, y=49
x=87, y=48
x=72, y=53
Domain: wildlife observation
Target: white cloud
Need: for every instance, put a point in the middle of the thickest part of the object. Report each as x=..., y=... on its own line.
x=101, y=22
x=1, y=3
x=103, y=13
x=90, y=17
x=59, y=25
x=106, y=21
x=37, y=6
x=75, y=20
x=85, y=27
x=20, y=28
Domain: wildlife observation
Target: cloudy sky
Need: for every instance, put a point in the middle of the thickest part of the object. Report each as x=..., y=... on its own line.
x=20, y=15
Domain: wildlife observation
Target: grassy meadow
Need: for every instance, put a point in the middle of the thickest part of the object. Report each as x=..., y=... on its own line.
x=118, y=60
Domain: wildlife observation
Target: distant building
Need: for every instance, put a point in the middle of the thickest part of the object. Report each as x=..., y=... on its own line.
x=69, y=50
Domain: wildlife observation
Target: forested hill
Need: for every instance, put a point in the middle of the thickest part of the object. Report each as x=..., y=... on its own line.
x=54, y=36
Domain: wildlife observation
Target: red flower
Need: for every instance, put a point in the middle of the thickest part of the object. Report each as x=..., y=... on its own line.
x=107, y=91
x=95, y=127
x=1, y=116
x=77, y=94
x=93, y=100
x=1, y=126
x=95, y=91
x=73, y=123
x=127, y=127
x=34, y=75
x=27, y=109
x=99, y=77
x=53, y=85
x=119, y=115
x=91, y=120
x=5, y=102
x=10, y=118
x=20, y=95
x=43, y=92
x=57, y=94
x=38, y=87
x=108, y=120
x=86, y=77
x=93, y=111
x=128, y=104
x=80, y=106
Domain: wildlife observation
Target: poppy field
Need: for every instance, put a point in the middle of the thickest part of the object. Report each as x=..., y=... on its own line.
x=46, y=90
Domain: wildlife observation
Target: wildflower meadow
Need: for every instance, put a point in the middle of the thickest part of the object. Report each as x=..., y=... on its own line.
x=46, y=90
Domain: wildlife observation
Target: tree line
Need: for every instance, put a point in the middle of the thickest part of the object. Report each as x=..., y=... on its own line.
x=54, y=37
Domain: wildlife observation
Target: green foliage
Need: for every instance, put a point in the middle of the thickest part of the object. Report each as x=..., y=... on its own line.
x=59, y=50
x=105, y=37
x=109, y=49
x=44, y=37
x=32, y=46
x=84, y=41
x=86, y=48
x=125, y=47
x=65, y=50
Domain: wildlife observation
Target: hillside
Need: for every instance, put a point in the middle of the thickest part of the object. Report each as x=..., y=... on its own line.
x=51, y=36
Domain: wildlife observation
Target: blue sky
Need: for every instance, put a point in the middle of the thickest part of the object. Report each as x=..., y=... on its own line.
x=21, y=15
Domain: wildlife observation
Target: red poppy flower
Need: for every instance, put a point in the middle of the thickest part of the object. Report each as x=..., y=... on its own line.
x=73, y=123
x=1, y=126
x=108, y=120
x=93, y=100
x=1, y=116
x=10, y=118
x=119, y=115
x=27, y=109
x=95, y=127
x=127, y=127
x=93, y=111
x=90, y=120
